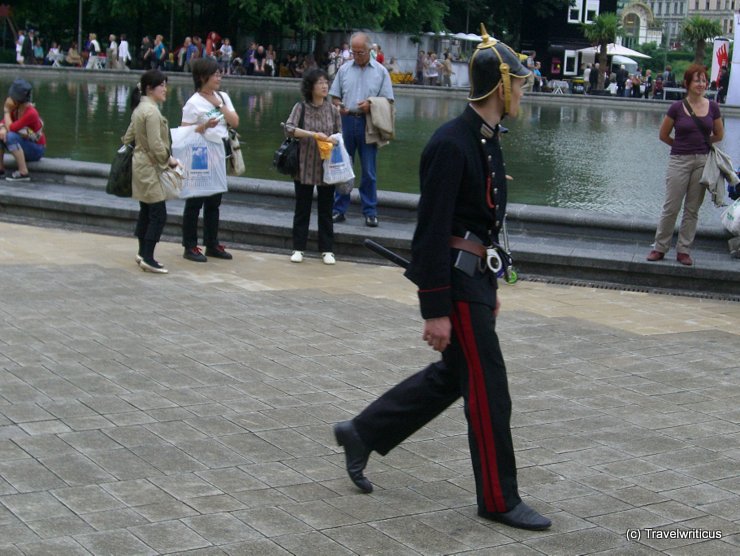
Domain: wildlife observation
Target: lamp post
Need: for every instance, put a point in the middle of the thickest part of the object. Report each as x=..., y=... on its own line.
x=79, y=26
x=667, y=32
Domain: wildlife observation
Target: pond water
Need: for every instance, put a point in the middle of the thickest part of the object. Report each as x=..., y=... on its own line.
x=606, y=159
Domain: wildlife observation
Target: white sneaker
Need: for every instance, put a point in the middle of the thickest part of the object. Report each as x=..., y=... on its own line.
x=139, y=258
x=328, y=258
x=296, y=257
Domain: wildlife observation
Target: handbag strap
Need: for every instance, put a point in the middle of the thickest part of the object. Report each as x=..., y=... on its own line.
x=698, y=123
x=228, y=126
x=300, y=122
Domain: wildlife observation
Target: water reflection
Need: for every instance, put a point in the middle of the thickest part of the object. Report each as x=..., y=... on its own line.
x=576, y=156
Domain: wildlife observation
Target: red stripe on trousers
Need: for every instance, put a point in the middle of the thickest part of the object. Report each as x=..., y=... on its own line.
x=480, y=416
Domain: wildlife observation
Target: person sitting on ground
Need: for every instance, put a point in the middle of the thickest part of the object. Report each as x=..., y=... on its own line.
x=73, y=57
x=258, y=61
x=21, y=130
x=393, y=66
x=38, y=51
x=53, y=54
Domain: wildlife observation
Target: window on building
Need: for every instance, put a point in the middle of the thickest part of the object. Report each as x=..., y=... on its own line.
x=592, y=10
x=569, y=63
x=574, y=13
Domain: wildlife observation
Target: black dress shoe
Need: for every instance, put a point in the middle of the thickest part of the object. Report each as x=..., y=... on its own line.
x=371, y=221
x=355, y=453
x=338, y=217
x=218, y=252
x=522, y=517
x=194, y=254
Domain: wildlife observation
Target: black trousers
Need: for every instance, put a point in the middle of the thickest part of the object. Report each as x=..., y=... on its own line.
x=471, y=367
x=151, y=221
x=211, y=212
x=303, y=202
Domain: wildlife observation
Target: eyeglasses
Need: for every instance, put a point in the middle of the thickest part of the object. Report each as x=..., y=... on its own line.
x=359, y=52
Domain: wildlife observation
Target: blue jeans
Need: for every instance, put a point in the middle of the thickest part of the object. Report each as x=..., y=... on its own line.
x=32, y=151
x=353, y=133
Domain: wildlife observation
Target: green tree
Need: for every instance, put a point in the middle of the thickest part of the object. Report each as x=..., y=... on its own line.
x=502, y=18
x=697, y=30
x=601, y=32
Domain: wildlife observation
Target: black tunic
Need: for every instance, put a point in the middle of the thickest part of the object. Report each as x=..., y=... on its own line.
x=457, y=197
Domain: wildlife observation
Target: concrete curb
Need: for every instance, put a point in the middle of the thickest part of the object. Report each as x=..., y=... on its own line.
x=70, y=171
x=547, y=241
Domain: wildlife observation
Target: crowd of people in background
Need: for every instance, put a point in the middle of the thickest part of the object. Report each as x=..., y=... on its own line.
x=256, y=60
x=432, y=71
x=643, y=84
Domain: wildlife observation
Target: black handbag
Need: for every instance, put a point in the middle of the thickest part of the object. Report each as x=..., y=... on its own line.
x=286, y=159
x=120, y=177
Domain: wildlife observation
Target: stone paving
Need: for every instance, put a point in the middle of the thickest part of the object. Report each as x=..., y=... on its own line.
x=192, y=413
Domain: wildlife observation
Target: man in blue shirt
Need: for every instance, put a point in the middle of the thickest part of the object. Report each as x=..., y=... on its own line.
x=357, y=81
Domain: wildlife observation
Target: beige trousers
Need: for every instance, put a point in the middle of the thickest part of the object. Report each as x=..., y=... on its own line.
x=681, y=187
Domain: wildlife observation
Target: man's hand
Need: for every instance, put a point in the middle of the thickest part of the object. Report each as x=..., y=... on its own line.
x=364, y=106
x=437, y=333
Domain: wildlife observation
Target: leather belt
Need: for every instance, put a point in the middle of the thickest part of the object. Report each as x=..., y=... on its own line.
x=356, y=114
x=468, y=246
x=489, y=256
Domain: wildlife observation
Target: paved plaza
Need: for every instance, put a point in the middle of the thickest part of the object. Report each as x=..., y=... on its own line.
x=192, y=412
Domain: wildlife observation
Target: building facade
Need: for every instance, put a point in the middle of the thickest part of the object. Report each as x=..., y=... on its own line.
x=557, y=38
x=668, y=17
x=639, y=25
x=721, y=10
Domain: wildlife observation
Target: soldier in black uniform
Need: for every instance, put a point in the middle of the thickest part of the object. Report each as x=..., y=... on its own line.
x=462, y=204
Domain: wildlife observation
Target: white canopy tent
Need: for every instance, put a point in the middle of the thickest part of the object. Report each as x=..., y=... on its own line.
x=472, y=37
x=612, y=50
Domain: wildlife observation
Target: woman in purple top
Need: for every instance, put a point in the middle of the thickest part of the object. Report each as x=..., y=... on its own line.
x=689, y=148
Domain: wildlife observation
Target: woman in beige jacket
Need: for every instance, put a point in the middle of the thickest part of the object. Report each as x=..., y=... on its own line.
x=150, y=132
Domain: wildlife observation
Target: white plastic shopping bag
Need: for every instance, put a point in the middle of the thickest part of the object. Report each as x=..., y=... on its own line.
x=338, y=167
x=731, y=218
x=203, y=160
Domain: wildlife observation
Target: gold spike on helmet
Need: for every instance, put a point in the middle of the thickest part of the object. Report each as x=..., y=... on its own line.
x=493, y=63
